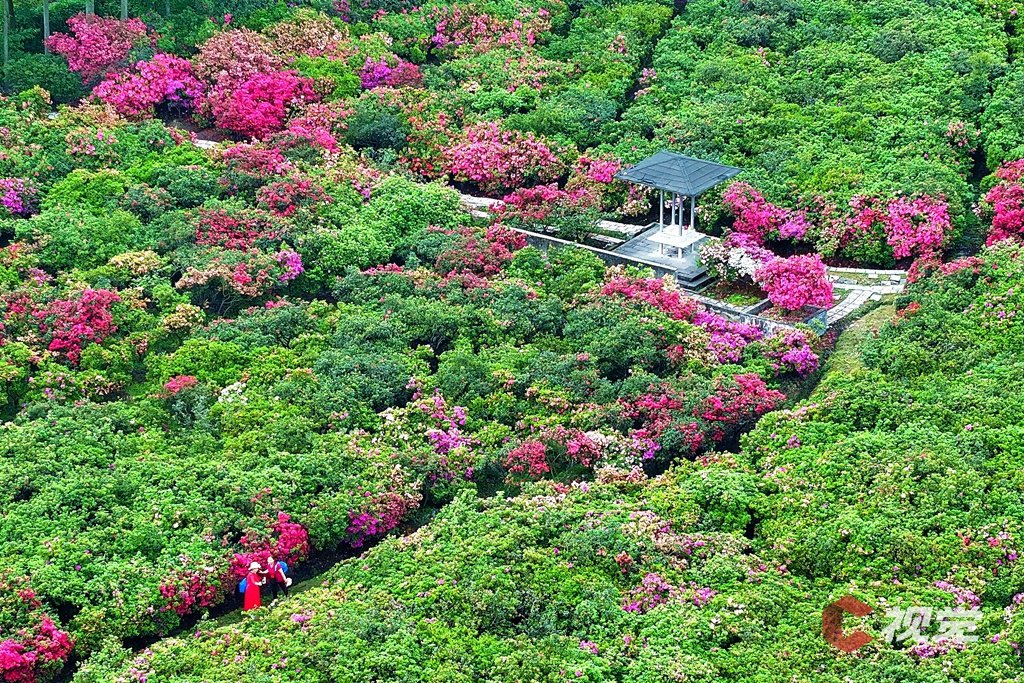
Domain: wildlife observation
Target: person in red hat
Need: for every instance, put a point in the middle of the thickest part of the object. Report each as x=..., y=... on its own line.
x=253, y=580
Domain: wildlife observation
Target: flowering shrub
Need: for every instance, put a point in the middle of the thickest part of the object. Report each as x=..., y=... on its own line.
x=917, y=226
x=792, y=351
x=656, y=292
x=794, y=282
x=1005, y=202
x=19, y=197
x=162, y=79
x=230, y=58
x=285, y=197
x=755, y=216
x=479, y=254
x=234, y=230
x=71, y=324
x=180, y=383
x=260, y=104
x=377, y=73
x=497, y=160
x=97, y=44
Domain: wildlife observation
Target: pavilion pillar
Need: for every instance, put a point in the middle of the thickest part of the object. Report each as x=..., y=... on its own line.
x=661, y=209
x=693, y=213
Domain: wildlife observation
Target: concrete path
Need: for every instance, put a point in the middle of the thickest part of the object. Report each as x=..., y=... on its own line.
x=854, y=287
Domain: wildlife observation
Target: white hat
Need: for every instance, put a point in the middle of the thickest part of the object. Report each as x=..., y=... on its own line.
x=253, y=566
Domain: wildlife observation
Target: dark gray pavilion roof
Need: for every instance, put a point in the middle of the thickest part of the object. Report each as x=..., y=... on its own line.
x=677, y=173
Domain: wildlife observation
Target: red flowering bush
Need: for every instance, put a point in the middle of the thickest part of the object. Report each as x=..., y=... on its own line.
x=264, y=162
x=794, y=282
x=542, y=205
x=261, y=104
x=1005, y=203
x=71, y=324
x=234, y=230
x=737, y=401
x=498, y=160
x=97, y=44
x=189, y=588
x=162, y=79
x=530, y=458
x=479, y=254
x=180, y=383
x=654, y=292
x=285, y=540
x=285, y=197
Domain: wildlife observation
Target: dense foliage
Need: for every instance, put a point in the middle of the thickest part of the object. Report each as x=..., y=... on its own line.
x=294, y=340
x=898, y=483
x=209, y=357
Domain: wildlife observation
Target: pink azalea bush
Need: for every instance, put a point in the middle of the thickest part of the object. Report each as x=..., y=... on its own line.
x=162, y=79
x=757, y=218
x=792, y=351
x=261, y=104
x=496, y=160
x=230, y=58
x=916, y=226
x=180, y=383
x=794, y=282
x=97, y=44
x=37, y=651
x=240, y=231
x=1005, y=203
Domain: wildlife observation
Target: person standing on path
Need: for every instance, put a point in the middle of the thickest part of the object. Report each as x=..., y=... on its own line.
x=275, y=570
x=253, y=580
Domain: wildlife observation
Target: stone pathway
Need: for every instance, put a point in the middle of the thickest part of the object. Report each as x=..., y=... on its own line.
x=851, y=293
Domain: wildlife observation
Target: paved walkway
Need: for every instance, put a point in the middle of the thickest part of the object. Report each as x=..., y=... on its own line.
x=851, y=292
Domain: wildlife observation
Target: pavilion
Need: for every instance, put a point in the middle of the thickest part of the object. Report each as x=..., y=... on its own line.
x=680, y=178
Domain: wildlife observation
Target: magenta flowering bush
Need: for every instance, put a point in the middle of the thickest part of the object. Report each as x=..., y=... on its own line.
x=757, y=218
x=792, y=351
x=378, y=72
x=260, y=105
x=794, y=282
x=917, y=226
x=36, y=651
x=291, y=261
x=72, y=324
x=19, y=197
x=97, y=44
x=1004, y=203
x=499, y=160
x=164, y=79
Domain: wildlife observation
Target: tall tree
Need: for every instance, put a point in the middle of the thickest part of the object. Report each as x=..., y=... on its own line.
x=46, y=26
x=7, y=32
